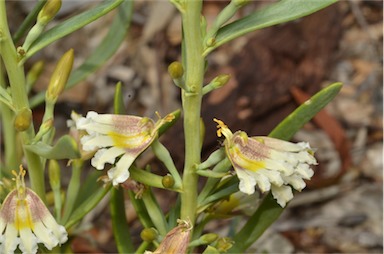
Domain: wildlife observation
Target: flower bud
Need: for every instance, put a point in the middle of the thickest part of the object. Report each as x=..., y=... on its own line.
x=168, y=181
x=208, y=238
x=224, y=244
x=35, y=72
x=221, y=80
x=54, y=174
x=23, y=119
x=240, y=3
x=210, y=42
x=60, y=76
x=149, y=234
x=49, y=11
x=176, y=70
x=217, y=82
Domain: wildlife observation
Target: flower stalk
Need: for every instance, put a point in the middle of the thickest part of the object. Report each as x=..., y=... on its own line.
x=191, y=98
x=16, y=79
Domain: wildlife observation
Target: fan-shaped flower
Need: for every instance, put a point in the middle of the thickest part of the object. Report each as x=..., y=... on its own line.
x=269, y=163
x=115, y=136
x=25, y=221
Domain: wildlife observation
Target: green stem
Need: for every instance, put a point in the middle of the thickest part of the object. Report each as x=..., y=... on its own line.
x=147, y=178
x=194, y=66
x=164, y=156
x=11, y=152
x=143, y=247
x=72, y=190
x=20, y=99
x=28, y=21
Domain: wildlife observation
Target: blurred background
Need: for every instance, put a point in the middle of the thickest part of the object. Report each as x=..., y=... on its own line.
x=272, y=71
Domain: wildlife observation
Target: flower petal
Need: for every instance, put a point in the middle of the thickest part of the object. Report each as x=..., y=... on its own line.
x=103, y=156
x=304, y=171
x=247, y=183
x=11, y=240
x=58, y=231
x=91, y=142
x=296, y=181
x=28, y=241
x=45, y=235
x=282, y=194
x=282, y=145
x=273, y=177
x=120, y=173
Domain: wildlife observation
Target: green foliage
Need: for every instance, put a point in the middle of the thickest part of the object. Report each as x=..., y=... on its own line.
x=192, y=203
x=276, y=13
x=71, y=25
x=65, y=148
x=104, y=51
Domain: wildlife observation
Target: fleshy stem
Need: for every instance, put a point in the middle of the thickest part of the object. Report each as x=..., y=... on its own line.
x=191, y=98
x=20, y=99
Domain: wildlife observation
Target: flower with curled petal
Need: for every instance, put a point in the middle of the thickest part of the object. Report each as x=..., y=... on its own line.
x=114, y=136
x=25, y=221
x=269, y=163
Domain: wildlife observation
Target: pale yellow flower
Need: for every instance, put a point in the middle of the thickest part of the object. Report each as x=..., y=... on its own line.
x=115, y=136
x=25, y=221
x=268, y=163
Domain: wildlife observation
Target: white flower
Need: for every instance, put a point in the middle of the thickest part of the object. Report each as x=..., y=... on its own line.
x=114, y=136
x=271, y=164
x=25, y=221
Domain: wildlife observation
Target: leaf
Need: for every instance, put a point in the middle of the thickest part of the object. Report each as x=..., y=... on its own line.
x=118, y=102
x=105, y=50
x=277, y=13
x=264, y=216
x=86, y=206
x=65, y=148
x=119, y=222
x=305, y=112
x=71, y=25
x=269, y=210
x=117, y=32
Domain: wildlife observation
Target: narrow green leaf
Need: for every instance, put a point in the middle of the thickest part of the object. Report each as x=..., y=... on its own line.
x=174, y=214
x=105, y=50
x=225, y=190
x=87, y=188
x=118, y=102
x=305, y=112
x=264, y=216
x=140, y=209
x=71, y=25
x=269, y=210
x=277, y=13
x=73, y=188
x=111, y=42
x=87, y=206
x=119, y=222
x=154, y=211
x=65, y=148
